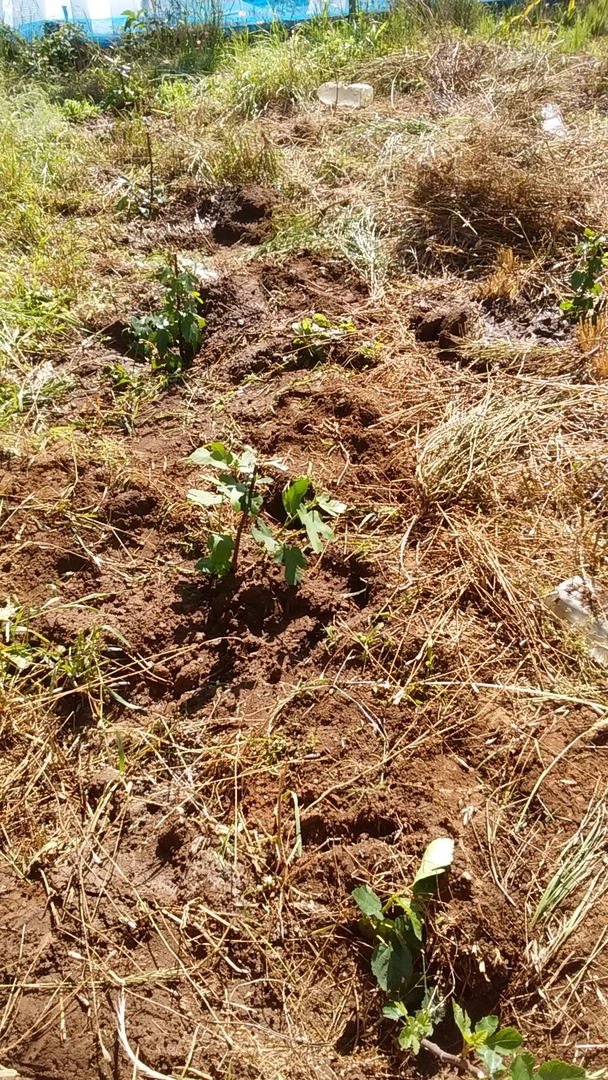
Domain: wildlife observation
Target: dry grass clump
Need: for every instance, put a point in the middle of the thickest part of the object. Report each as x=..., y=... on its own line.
x=454, y=67
x=527, y=459
x=501, y=188
x=466, y=449
x=593, y=340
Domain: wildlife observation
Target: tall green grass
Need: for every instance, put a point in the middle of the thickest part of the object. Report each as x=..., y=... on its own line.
x=41, y=157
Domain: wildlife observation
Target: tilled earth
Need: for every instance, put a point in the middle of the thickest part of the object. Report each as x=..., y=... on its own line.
x=189, y=846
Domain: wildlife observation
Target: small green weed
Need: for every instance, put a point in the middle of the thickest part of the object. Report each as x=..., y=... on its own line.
x=125, y=92
x=240, y=487
x=87, y=666
x=588, y=300
x=77, y=111
x=398, y=964
x=315, y=333
x=170, y=338
x=122, y=379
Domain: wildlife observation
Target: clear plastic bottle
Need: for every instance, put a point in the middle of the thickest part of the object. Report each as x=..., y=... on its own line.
x=581, y=603
x=353, y=95
x=552, y=121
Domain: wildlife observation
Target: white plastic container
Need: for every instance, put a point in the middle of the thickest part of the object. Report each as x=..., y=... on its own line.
x=579, y=602
x=353, y=95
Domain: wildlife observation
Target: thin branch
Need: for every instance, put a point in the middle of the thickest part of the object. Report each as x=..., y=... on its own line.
x=456, y=1060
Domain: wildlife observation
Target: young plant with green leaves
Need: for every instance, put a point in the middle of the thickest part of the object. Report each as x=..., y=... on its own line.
x=140, y=200
x=170, y=338
x=397, y=930
x=315, y=333
x=489, y=1043
x=588, y=299
x=398, y=964
x=239, y=487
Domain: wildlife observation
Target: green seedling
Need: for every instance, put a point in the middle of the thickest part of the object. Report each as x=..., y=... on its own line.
x=588, y=300
x=490, y=1044
x=170, y=338
x=396, y=927
x=139, y=200
x=125, y=94
x=314, y=333
x=239, y=487
x=122, y=379
x=398, y=964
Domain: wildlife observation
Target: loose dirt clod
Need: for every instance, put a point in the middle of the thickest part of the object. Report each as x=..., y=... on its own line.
x=447, y=327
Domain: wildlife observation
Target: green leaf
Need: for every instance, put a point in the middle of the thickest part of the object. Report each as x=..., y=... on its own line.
x=505, y=1041
x=219, y=561
x=122, y=701
x=367, y=901
x=380, y=961
x=392, y=965
x=293, y=560
x=403, y=931
x=408, y=1039
x=263, y=536
x=414, y=1029
x=240, y=495
x=435, y=860
x=316, y=529
x=521, y=1067
x=214, y=454
x=487, y=1024
x=330, y=506
x=491, y=1059
x=247, y=461
x=578, y=278
x=463, y=1022
x=560, y=1070
x=293, y=495
x=204, y=498
x=394, y=1010
x=414, y=914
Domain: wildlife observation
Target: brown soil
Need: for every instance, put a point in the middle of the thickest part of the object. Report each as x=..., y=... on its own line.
x=150, y=843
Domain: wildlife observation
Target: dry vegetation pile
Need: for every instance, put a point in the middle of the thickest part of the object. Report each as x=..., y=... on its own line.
x=195, y=773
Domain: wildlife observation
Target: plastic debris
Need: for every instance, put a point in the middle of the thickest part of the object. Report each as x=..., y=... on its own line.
x=579, y=602
x=553, y=121
x=353, y=95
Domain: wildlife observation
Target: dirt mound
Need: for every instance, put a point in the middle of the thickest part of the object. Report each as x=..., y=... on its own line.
x=241, y=215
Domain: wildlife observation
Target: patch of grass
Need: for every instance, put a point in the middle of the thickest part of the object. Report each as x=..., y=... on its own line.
x=581, y=869
x=237, y=155
x=275, y=69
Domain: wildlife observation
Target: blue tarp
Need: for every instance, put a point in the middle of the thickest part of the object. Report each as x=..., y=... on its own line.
x=104, y=19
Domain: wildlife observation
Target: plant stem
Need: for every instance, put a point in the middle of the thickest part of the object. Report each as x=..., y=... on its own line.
x=244, y=519
x=456, y=1060
x=179, y=313
x=151, y=165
